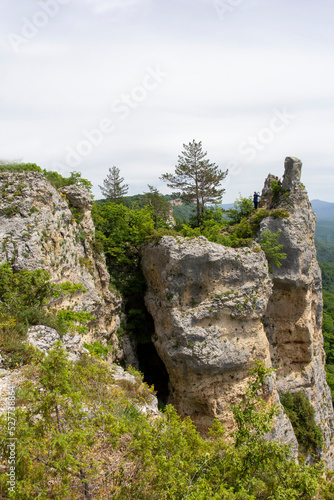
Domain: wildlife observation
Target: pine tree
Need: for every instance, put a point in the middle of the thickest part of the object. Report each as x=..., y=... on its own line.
x=112, y=187
x=160, y=206
x=197, y=178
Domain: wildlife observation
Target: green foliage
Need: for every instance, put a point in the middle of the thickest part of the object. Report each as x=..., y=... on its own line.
x=215, y=227
x=184, y=213
x=268, y=243
x=80, y=435
x=301, y=415
x=327, y=270
x=113, y=188
x=243, y=207
x=276, y=189
x=197, y=179
x=25, y=300
x=58, y=181
x=261, y=213
x=159, y=205
x=232, y=227
x=97, y=349
x=328, y=319
x=253, y=415
x=135, y=201
x=75, y=320
x=20, y=167
x=121, y=232
x=324, y=240
x=77, y=213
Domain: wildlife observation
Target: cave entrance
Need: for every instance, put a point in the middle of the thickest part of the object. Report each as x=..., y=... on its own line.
x=140, y=325
x=154, y=370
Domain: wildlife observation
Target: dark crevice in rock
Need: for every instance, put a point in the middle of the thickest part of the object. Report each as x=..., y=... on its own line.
x=154, y=370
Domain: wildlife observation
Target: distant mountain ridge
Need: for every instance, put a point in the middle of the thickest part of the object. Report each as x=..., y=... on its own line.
x=324, y=232
x=323, y=209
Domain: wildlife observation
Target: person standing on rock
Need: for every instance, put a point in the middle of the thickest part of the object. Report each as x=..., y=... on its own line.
x=256, y=197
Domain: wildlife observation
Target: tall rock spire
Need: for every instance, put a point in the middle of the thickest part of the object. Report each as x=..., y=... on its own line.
x=293, y=320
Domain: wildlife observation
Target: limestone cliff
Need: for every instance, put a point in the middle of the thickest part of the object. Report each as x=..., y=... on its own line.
x=293, y=319
x=216, y=309
x=41, y=228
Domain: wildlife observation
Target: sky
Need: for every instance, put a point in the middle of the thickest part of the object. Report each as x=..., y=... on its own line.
x=90, y=84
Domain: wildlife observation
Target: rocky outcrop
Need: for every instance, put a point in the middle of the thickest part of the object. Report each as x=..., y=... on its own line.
x=216, y=309
x=43, y=338
x=293, y=319
x=41, y=228
x=207, y=302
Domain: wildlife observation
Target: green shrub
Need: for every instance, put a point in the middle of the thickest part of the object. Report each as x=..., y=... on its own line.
x=80, y=435
x=268, y=243
x=276, y=188
x=97, y=349
x=301, y=415
x=121, y=232
x=243, y=208
x=58, y=181
x=25, y=299
x=20, y=167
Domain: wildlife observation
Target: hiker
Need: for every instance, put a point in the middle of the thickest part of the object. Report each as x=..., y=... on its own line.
x=256, y=197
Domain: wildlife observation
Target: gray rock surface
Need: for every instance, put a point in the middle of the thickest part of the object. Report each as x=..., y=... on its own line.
x=39, y=231
x=216, y=309
x=147, y=404
x=43, y=338
x=293, y=320
x=77, y=196
x=207, y=302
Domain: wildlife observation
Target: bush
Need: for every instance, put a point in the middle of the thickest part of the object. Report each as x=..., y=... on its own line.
x=301, y=415
x=121, y=232
x=268, y=243
x=80, y=436
x=58, y=181
x=25, y=300
x=20, y=167
x=243, y=208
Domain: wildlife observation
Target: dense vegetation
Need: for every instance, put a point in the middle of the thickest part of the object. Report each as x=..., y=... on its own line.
x=324, y=241
x=328, y=320
x=301, y=415
x=26, y=299
x=93, y=442
x=56, y=179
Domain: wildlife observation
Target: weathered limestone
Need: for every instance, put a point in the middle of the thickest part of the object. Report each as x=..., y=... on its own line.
x=43, y=338
x=39, y=231
x=207, y=302
x=216, y=309
x=293, y=320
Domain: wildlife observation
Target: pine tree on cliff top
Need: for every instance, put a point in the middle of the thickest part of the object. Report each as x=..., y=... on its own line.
x=197, y=178
x=112, y=187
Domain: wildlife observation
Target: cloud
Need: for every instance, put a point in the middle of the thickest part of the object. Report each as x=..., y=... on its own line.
x=102, y=6
x=225, y=80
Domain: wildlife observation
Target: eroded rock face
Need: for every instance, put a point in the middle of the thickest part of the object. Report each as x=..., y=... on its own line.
x=39, y=231
x=43, y=338
x=293, y=320
x=216, y=309
x=207, y=302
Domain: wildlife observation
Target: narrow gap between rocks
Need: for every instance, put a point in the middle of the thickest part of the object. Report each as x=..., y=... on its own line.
x=154, y=370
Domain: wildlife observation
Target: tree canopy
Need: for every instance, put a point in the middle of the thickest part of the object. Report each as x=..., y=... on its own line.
x=113, y=188
x=160, y=206
x=197, y=178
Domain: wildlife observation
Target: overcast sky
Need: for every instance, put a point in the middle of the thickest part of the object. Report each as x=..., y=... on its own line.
x=88, y=84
